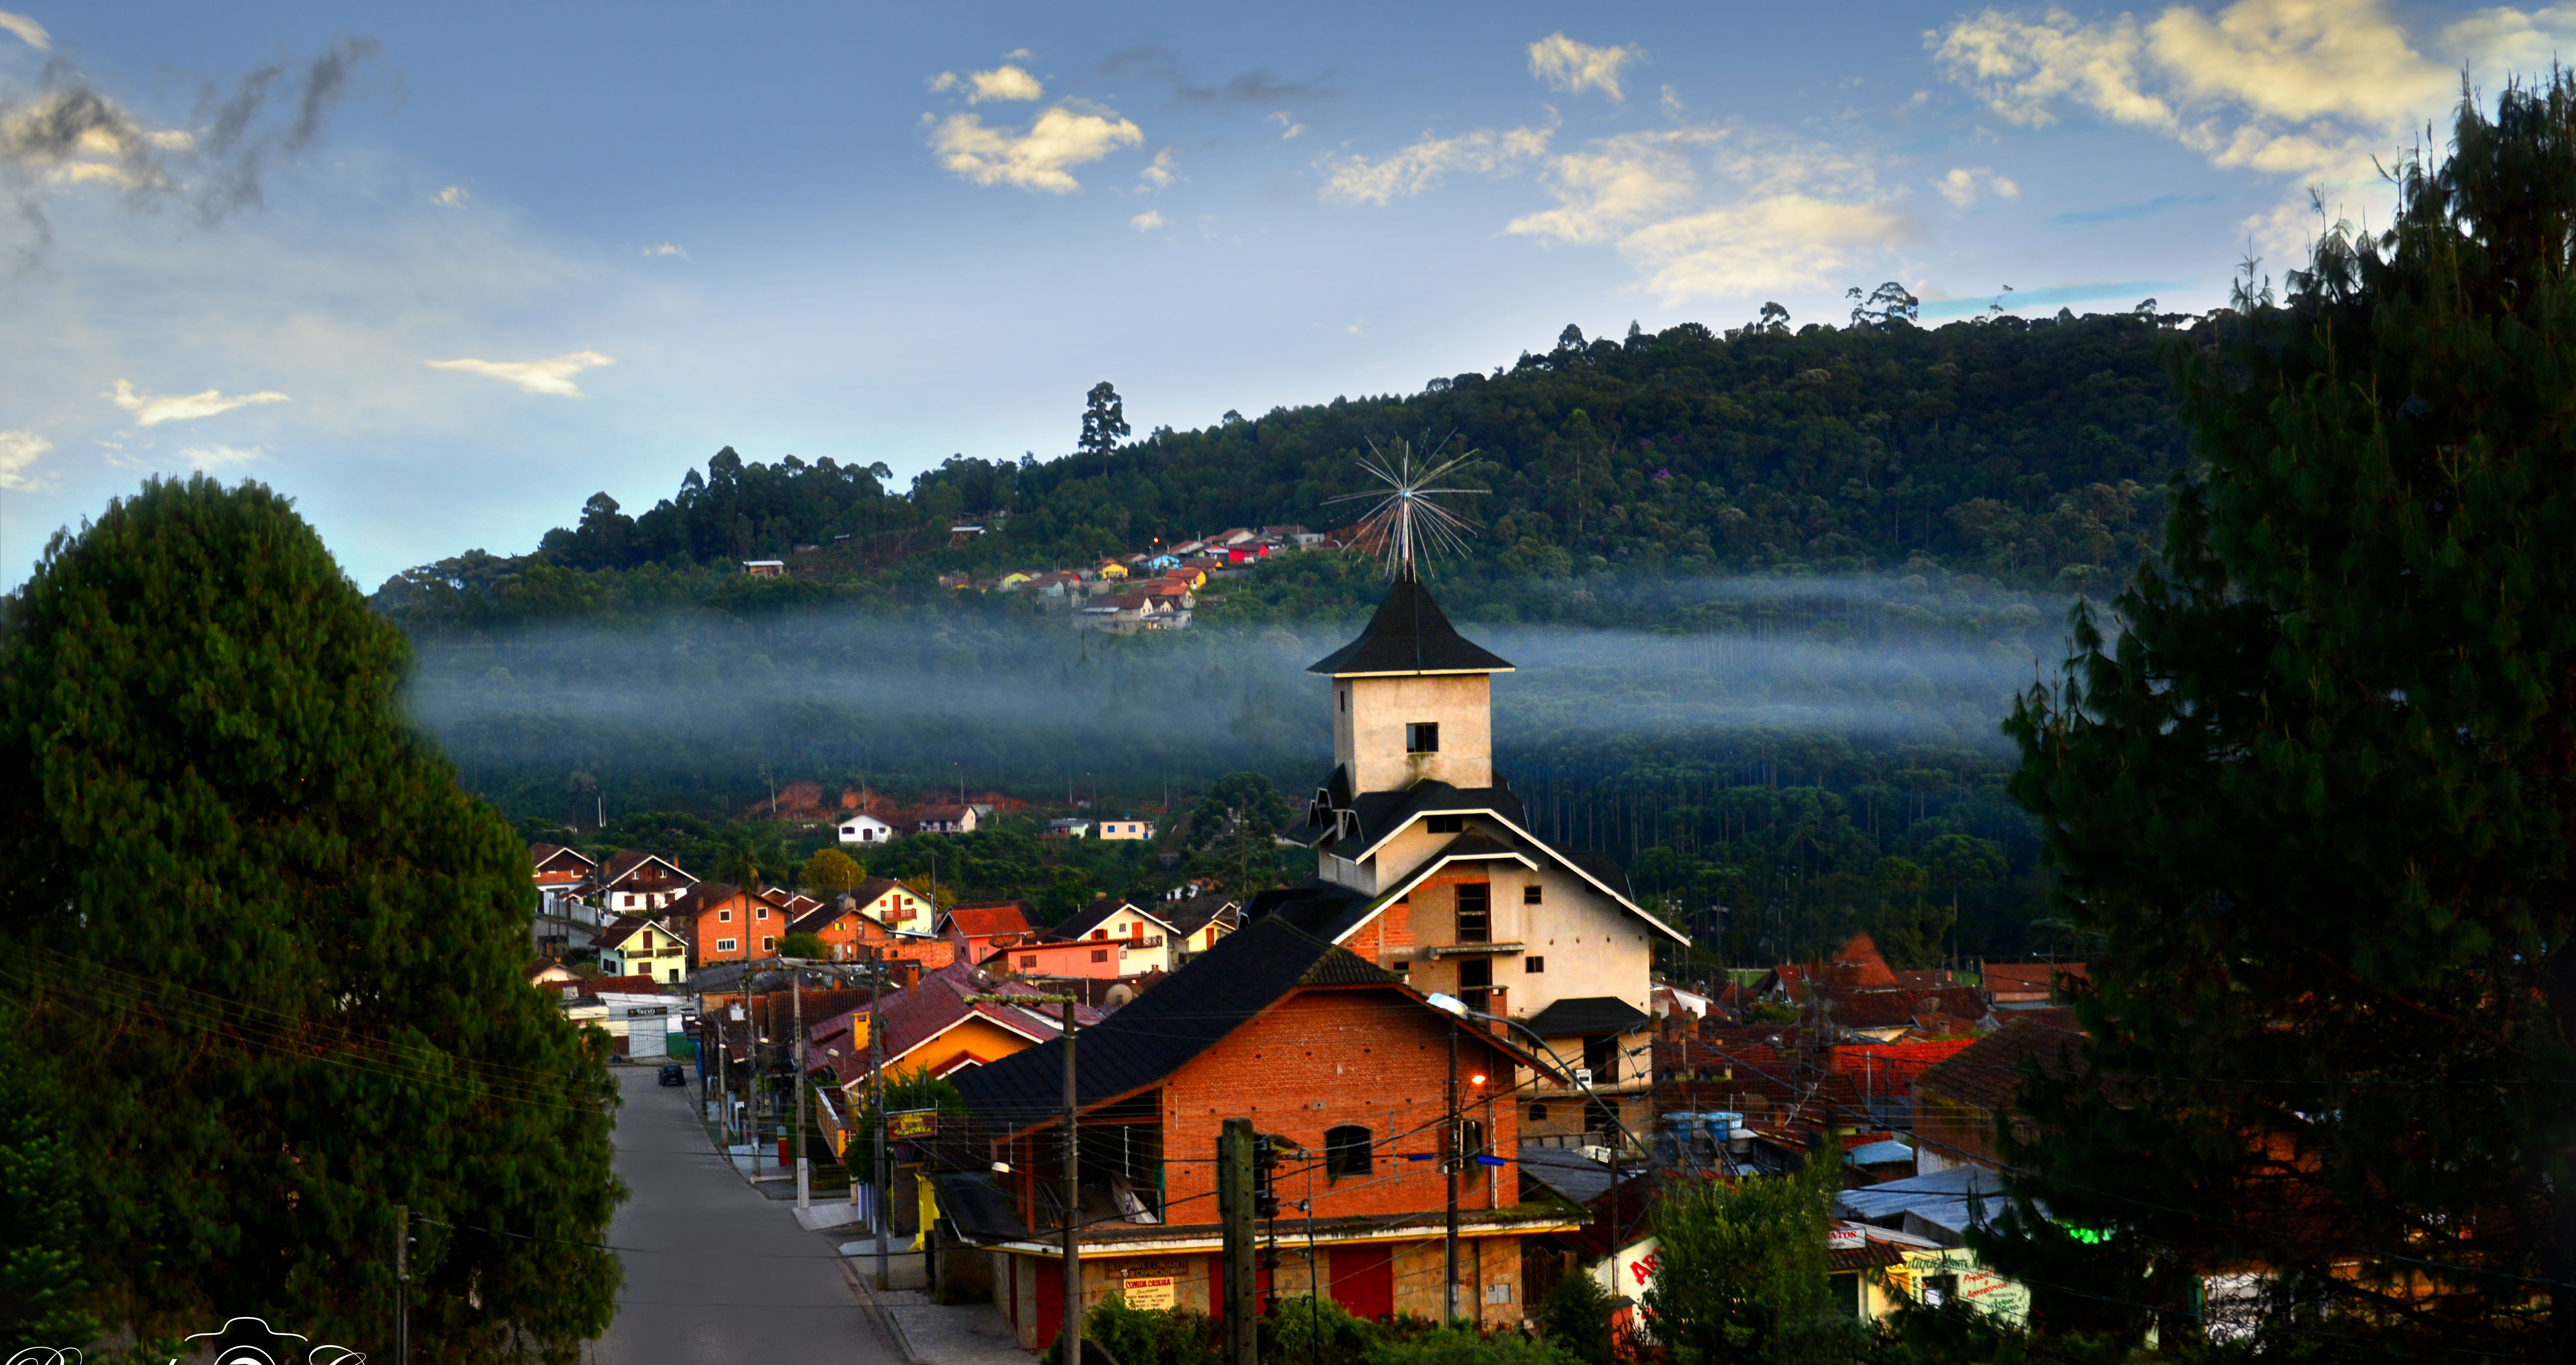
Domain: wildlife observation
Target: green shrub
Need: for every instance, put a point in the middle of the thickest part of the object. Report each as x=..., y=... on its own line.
x=1576, y=1316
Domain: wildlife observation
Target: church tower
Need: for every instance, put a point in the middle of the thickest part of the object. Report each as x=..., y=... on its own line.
x=1412, y=700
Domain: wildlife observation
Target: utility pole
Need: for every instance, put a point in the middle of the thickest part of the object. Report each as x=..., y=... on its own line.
x=796, y=986
x=402, y=1284
x=1072, y=1341
x=1449, y=1162
x=1072, y=1351
x=879, y=1214
x=1234, y=1212
x=751, y=1080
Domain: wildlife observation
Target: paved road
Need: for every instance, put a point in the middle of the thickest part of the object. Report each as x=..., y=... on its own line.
x=727, y=1278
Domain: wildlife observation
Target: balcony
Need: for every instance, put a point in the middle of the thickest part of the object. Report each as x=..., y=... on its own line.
x=1441, y=950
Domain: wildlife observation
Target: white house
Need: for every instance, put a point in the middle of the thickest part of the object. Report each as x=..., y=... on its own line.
x=864, y=828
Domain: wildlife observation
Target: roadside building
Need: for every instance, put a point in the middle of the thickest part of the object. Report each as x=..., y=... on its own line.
x=1310, y=1042
x=1430, y=867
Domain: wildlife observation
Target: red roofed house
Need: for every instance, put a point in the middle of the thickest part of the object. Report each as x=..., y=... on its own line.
x=978, y=929
x=2026, y=985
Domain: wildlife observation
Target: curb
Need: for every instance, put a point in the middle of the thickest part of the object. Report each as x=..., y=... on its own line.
x=886, y=1321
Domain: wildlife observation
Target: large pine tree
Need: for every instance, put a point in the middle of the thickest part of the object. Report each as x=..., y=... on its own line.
x=2316, y=793
x=265, y=957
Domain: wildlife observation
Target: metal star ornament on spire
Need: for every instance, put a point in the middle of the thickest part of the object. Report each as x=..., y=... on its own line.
x=1404, y=521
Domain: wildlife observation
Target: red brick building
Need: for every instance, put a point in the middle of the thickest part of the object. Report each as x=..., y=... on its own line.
x=1313, y=1044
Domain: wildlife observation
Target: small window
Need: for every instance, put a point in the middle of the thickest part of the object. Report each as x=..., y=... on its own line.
x=1448, y=824
x=1534, y=965
x=1028, y=964
x=1099, y=933
x=1346, y=700
x=1530, y=894
x=768, y=944
x=1100, y=955
x=1422, y=737
x=1538, y=1113
x=763, y=913
x=727, y=945
x=724, y=917
x=1475, y=912
x=1346, y=1151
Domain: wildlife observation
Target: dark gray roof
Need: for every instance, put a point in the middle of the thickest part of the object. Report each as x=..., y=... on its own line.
x=1587, y=1016
x=1567, y=1171
x=1409, y=635
x=979, y=1208
x=1383, y=813
x=1217, y=992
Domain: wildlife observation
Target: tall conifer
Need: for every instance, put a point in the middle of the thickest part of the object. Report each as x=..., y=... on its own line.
x=2316, y=795
x=266, y=957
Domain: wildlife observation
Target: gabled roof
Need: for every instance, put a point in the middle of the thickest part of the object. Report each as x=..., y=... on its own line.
x=541, y=854
x=1163, y=1029
x=936, y=1004
x=1408, y=635
x=626, y=864
x=1987, y=1072
x=621, y=929
x=1100, y=912
x=1190, y=916
x=1376, y=817
x=988, y=919
x=1587, y=1016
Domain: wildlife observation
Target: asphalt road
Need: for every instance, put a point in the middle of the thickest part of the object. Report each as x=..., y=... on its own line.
x=717, y=1274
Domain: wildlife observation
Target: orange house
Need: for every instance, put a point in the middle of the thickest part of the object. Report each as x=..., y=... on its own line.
x=730, y=925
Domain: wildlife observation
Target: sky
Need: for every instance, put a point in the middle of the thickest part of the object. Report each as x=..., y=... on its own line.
x=439, y=273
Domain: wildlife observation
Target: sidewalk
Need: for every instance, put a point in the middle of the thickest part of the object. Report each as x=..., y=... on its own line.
x=944, y=1334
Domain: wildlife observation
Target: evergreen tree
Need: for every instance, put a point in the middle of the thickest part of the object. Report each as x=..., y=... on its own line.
x=2316, y=793
x=1104, y=422
x=1740, y=1270
x=267, y=957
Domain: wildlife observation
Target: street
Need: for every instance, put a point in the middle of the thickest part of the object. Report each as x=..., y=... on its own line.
x=716, y=1274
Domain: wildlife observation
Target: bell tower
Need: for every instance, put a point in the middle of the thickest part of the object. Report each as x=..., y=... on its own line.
x=1412, y=699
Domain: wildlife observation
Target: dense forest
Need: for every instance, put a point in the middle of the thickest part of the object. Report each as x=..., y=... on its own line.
x=1771, y=593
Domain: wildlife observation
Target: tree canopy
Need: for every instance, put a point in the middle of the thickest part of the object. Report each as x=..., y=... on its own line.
x=2314, y=790
x=264, y=958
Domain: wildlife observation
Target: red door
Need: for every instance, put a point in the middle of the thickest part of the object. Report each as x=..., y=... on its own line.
x=1050, y=1274
x=1364, y=1280
x=1260, y=1286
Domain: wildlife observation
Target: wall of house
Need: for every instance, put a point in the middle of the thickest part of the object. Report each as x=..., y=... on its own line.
x=1369, y=716
x=978, y=1037
x=1586, y=944
x=1327, y=1058
x=1950, y=1133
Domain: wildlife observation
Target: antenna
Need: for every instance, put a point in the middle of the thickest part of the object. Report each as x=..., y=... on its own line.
x=1405, y=522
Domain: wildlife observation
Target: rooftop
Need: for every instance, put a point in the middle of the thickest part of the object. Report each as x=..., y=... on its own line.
x=1409, y=635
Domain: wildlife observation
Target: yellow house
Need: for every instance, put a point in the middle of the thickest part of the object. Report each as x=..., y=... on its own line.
x=1013, y=579
x=1112, y=569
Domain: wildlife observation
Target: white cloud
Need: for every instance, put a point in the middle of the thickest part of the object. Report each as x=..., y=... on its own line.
x=552, y=376
x=1018, y=54
x=2292, y=88
x=1358, y=180
x=1964, y=183
x=1775, y=242
x=667, y=249
x=151, y=410
x=1576, y=67
x=27, y=29
x=1000, y=83
x=1613, y=185
x=79, y=137
x=207, y=459
x=1148, y=221
x=1159, y=175
x=18, y=452
x=453, y=197
x=1287, y=121
x=1036, y=160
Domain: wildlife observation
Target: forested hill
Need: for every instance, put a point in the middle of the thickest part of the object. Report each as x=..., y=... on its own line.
x=2030, y=452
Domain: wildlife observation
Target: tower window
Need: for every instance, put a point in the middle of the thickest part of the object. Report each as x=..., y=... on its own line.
x=1534, y=965
x=1346, y=1151
x=1422, y=737
x=1345, y=694
x=1530, y=894
x=1475, y=912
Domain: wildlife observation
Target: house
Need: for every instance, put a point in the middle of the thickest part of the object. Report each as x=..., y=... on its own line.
x=729, y=924
x=1162, y=562
x=863, y=828
x=1055, y=585
x=1110, y=568
x=1068, y=829
x=2029, y=985
x=640, y=883
x=545, y=971
x=1128, y=612
x=634, y=946
x=1197, y=922
x=945, y=820
x=764, y=568
x=564, y=876
x=1126, y=827
x=1102, y=961
x=1429, y=866
x=1958, y=1102
x=1142, y=937
x=935, y=1025
x=1314, y=1045
x=1012, y=581
x=981, y=927
x=1188, y=547
x=639, y=1024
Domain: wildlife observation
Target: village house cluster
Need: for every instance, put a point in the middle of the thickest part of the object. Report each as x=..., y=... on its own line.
x=1456, y=1024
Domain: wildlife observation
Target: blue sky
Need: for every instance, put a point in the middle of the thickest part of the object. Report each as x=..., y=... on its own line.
x=441, y=272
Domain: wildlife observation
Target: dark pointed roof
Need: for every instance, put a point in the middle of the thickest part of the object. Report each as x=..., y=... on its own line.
x=1409, y=635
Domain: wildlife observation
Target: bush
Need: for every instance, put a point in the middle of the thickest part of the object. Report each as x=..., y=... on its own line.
x=1148, y=1336
x=1576, y=1316
x=1464, y=1346
x=1309, y=1332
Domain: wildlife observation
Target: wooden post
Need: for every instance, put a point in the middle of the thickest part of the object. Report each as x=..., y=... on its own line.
x=1234, y=1212
x=1072, y=1351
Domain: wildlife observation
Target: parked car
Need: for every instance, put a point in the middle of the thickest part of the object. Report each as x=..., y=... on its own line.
x=672, y=1075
